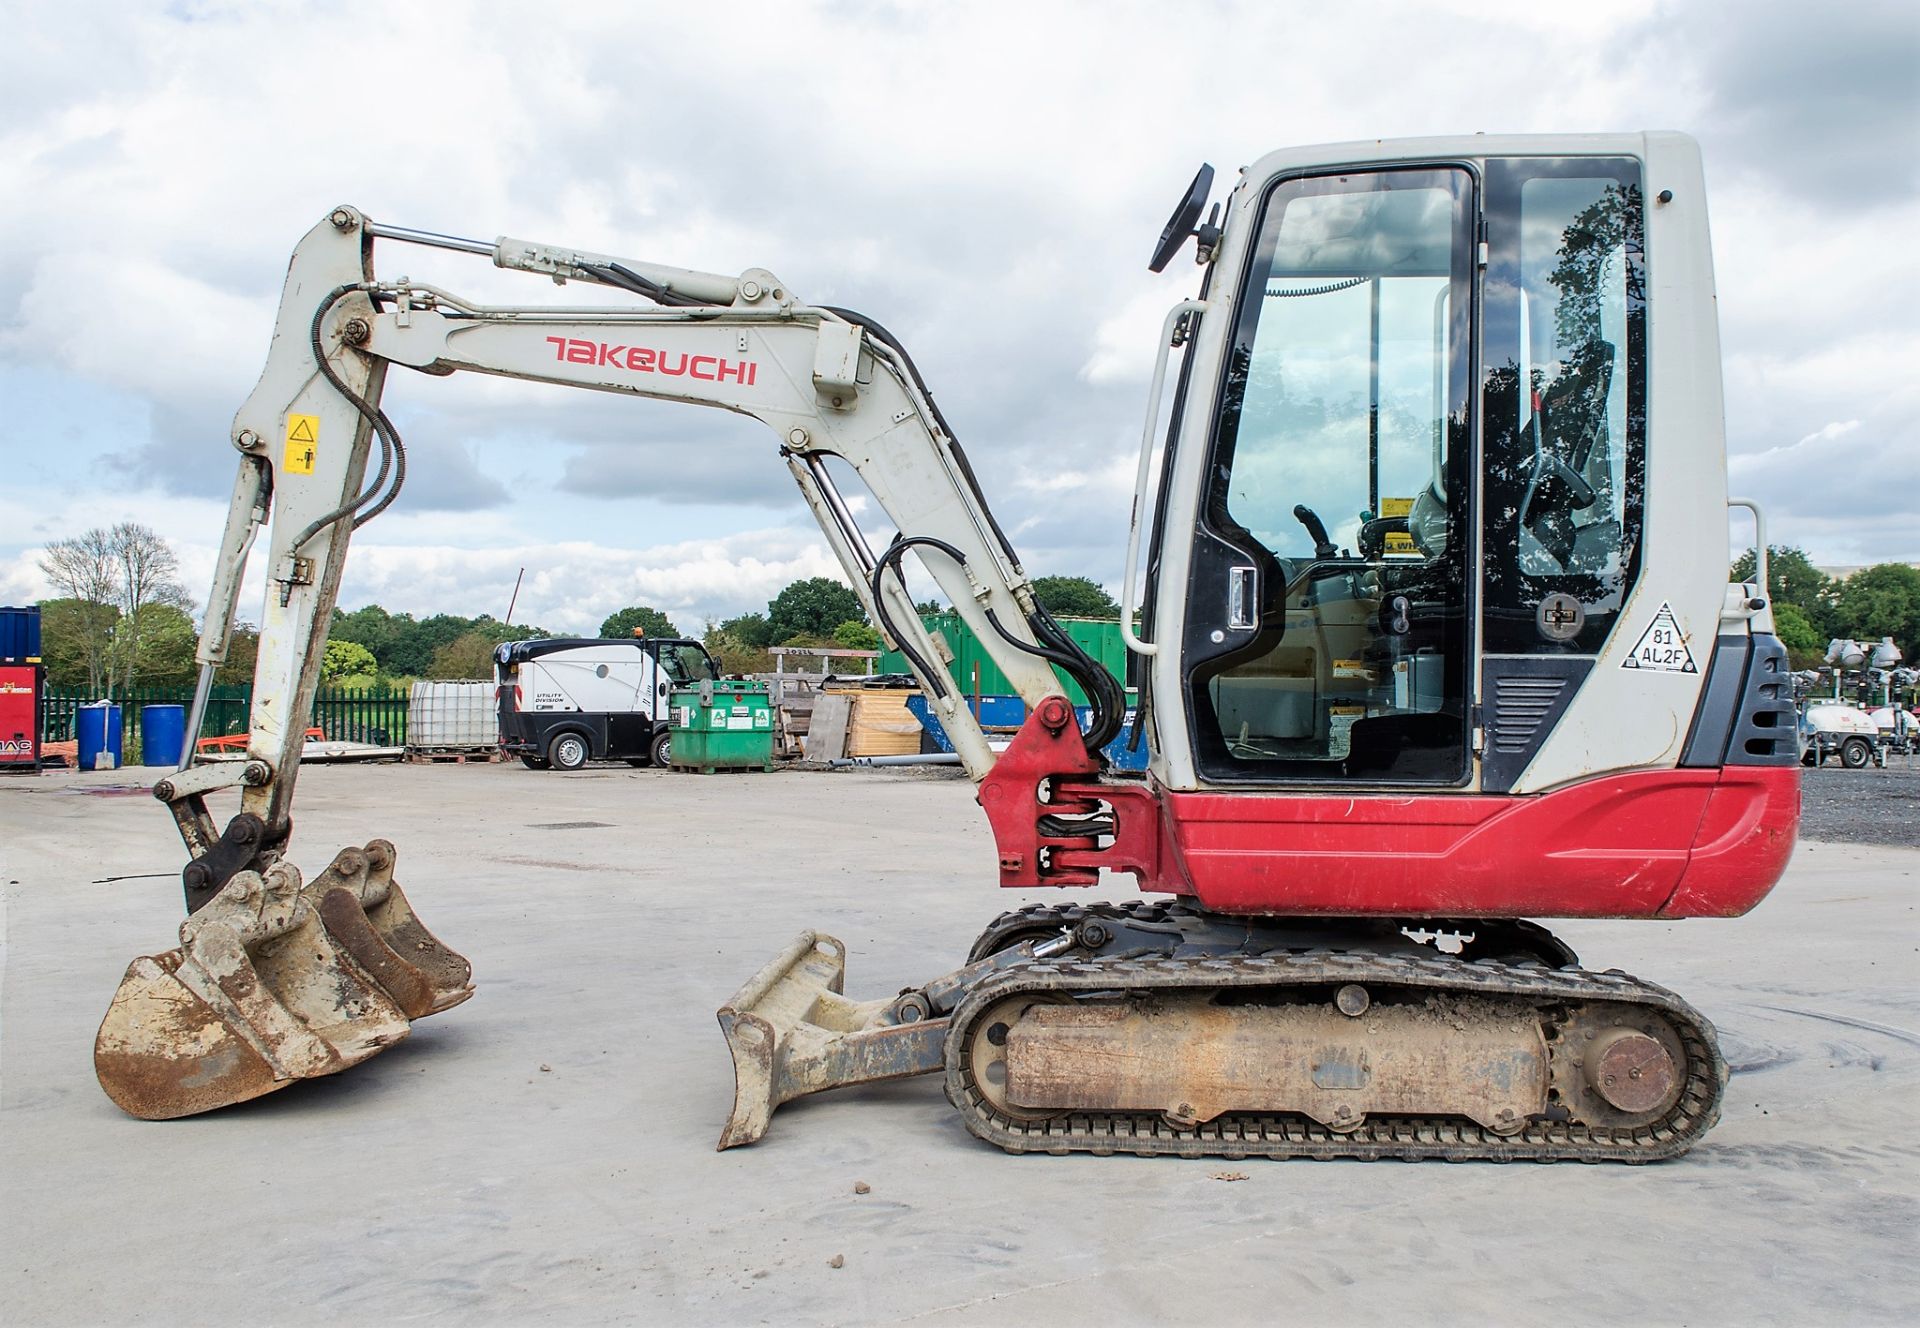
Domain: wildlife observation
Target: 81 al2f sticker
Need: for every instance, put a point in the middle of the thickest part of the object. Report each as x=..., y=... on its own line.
x=1662, y=647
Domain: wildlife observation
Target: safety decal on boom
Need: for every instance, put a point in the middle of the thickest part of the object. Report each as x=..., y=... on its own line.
x=303, y=441
x=1662, y=647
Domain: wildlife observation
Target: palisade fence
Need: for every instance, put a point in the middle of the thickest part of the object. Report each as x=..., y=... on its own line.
x=351, y=714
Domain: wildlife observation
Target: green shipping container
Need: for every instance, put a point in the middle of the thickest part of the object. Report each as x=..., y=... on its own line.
x=1099, y=637
x=725, y=725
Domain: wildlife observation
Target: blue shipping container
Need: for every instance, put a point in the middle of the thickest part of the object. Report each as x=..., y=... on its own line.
x=20, y=634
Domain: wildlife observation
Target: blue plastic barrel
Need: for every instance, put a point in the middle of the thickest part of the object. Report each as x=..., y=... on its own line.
x=97, y=727
x=163, y=732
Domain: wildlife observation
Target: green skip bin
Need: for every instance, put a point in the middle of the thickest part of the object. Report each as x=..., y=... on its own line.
x=725, y=725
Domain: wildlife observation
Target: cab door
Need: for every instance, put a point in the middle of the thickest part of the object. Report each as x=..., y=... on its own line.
x=1327, y=634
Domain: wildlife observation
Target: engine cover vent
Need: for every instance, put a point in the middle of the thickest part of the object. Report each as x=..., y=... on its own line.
x=1520, y=707
x=1525, y=697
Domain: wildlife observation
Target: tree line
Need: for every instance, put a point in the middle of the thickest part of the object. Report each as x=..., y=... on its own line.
x=122, y=617
x=1811, y=608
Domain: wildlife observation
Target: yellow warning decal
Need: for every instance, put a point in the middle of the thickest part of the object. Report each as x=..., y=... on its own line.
x=1399, y=542
x=303, y=444
x=1396, y=507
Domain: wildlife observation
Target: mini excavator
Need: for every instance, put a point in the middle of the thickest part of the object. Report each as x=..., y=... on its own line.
x=1426, y=605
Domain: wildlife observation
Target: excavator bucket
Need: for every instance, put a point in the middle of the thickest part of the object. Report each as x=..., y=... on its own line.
x=368, y=916
x=272, y=983
x=792, y=1033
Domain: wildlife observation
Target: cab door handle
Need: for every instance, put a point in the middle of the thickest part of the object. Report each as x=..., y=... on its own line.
x=1243, y=609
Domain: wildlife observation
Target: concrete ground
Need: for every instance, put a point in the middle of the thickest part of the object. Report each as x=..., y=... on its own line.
x=545, y=1152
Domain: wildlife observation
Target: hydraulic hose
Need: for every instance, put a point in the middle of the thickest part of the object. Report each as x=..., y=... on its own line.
x=393, y=453
x=889, y=559
x=1054, y=645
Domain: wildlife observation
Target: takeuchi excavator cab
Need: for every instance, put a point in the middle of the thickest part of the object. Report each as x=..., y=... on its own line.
x=1412, y=452
x=1436, y=577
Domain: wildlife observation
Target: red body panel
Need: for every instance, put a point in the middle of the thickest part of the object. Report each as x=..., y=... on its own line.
x=20, y=714
x=1639, y=844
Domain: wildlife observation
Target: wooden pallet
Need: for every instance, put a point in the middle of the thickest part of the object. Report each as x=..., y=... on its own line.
x=722, y=769
x=456, y=756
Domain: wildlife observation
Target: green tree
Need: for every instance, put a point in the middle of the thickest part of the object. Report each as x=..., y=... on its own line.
x=243, y=651
x=649, y=620
x=1074, y=597
x=750, y=629
x=404, y=648
x=163, y=647
x=856, y=636
x=813, y=607
x=74, y=636
x=344, y=658
x=496, y=631
x=1793, y=579
x=114, y=574
x=415, y=651
x=1803, y=641
x=374, y=628
x=1883, y=600
x=734, y=655
x=469, y=655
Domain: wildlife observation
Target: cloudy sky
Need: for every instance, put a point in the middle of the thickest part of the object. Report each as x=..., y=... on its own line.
x=985, y=179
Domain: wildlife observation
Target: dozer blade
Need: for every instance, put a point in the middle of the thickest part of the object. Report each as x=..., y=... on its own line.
x=365, y=912
x=792, y=1033
x=272, y=983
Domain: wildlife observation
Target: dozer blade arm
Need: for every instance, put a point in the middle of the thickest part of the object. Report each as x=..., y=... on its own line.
x=793, y=1032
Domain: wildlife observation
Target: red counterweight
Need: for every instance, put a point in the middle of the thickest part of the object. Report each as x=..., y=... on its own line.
x=1636, y=844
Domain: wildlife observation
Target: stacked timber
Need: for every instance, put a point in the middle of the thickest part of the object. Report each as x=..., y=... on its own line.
x=826, y=718
x=878, y=721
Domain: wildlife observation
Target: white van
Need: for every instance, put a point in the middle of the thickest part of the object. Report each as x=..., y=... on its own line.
x=569, y=701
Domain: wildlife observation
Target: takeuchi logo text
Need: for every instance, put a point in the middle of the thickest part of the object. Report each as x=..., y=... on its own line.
x=644, y=359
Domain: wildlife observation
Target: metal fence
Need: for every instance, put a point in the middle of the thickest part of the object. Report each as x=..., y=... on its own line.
x=357, y=714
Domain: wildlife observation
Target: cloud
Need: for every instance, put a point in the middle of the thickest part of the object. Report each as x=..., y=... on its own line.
x=1817, y=105
x=989, y=199
x=1840, y=481
x=443, y=476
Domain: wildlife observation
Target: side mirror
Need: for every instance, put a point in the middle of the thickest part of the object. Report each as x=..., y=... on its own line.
x=1184, y=220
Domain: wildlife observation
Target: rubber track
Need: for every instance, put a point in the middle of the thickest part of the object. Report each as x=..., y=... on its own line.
x=1244, y=1135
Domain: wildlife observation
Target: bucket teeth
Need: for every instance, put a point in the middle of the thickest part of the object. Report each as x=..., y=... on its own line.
x=367, y=914
x=792, y=1033
x=274, y=982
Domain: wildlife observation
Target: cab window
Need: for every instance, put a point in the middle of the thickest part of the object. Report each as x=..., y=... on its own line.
x=1563, y=392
